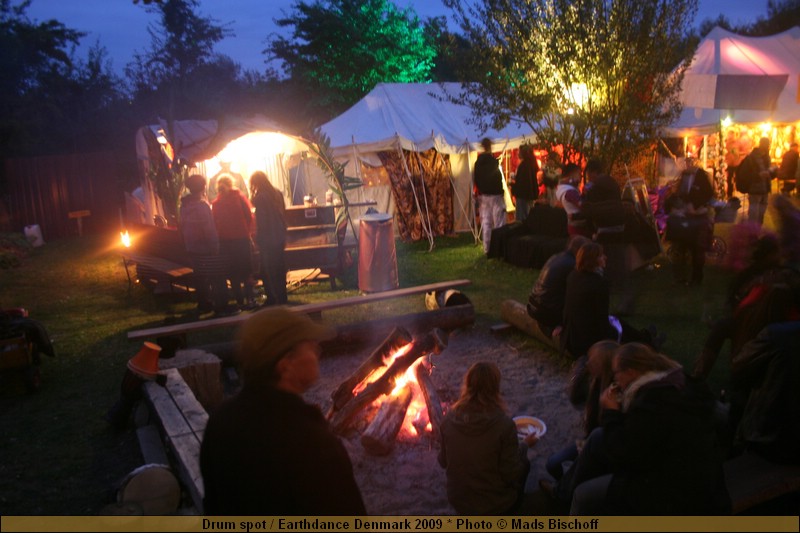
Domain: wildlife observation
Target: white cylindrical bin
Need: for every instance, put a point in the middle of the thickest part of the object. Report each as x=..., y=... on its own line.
x=34, y=235
x=377, y=257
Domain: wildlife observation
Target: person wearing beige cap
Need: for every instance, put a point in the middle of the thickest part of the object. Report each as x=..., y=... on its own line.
x=266, y=451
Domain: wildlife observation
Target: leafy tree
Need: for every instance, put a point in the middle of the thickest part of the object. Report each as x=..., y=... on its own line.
x=452, y=51
x=167, y=74
x=339, y=50
x=33, y=54
x=598, y=77
x=781, y=15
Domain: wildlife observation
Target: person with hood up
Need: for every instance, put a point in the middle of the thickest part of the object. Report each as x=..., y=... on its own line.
x=486, y=465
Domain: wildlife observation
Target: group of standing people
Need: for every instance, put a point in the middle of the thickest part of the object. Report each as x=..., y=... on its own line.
x=222, y=237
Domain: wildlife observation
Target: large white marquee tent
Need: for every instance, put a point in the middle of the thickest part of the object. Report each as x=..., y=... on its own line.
x=416, y=117
x=746, y=80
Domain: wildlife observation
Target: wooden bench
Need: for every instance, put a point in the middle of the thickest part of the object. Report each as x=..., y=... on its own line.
x=158, y=255
x=183, y=421
x=752, y=480
x=153, y=268
x=311, y=309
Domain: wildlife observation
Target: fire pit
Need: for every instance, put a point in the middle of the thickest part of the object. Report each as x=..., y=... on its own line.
x=391, y=392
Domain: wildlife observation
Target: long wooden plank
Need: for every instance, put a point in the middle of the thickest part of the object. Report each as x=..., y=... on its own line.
x=173, y=422
x=318, y=307
x=191, y=409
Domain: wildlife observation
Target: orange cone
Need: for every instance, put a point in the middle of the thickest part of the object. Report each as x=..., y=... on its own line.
x=145, y=363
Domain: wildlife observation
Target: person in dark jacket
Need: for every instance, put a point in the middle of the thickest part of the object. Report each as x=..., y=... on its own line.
x=201, y=241
x=270, y=237
x=765, y=373
x=488, y=180
x=762, y=173
x=546, y=301
x=586, y=303
x=658, y=441
x=606, y=215
x=266, y=451
x=486, y=464
x=689, y=227
x=525, y=187
x=789, y=171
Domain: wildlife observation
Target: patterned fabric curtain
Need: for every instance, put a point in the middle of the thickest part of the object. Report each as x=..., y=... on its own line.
x=433, y=205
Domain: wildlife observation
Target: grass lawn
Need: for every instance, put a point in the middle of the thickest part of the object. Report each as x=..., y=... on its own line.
x=59, y=456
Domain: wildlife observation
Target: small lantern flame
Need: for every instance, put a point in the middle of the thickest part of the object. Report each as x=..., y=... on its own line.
x=126, y=238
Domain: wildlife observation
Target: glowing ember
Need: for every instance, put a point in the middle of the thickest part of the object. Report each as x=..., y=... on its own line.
x=413, y=423
x=126, y=238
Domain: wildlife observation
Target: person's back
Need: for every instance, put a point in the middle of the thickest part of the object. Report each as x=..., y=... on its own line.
x=197, y=226
x=485, y=463
x=266, y=451
x=664, y=451
x=488, y=178
x=765, y=374
x=270, y=216
x=232, y=214
x=285, y=460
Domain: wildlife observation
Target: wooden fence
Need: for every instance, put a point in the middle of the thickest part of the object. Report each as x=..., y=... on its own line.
x=64, y=194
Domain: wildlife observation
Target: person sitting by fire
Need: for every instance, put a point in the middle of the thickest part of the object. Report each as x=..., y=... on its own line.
x=486, y=465
x=266, y=451
x=546, y=301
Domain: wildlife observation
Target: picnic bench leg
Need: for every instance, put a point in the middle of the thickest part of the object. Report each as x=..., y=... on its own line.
x=127, y=273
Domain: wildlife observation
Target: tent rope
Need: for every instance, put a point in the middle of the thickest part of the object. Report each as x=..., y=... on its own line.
x=426, y=219
x=462, y=206
x=413, y=191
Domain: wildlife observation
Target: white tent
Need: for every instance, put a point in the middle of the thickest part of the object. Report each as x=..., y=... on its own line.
x=415, y=117
x=748, y=80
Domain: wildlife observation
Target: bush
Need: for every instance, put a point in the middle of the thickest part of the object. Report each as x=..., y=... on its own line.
x=13, y=248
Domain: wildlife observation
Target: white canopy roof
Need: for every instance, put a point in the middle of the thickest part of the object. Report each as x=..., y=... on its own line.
x=418, y=116
x=732, y=76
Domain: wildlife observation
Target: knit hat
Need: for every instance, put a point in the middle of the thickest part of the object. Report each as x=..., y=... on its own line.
x=270, y=333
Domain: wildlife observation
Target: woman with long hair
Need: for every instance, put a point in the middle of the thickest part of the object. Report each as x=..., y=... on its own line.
x=270, y=210
x=486, y=464
x=658, y=443
x=586, y=303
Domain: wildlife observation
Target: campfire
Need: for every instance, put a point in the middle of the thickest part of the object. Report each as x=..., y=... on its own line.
x=391, y=393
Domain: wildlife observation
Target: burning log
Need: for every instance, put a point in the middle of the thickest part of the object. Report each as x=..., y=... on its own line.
x=432, y=402
x=433, y=342
x=398, y=338
x=378, y=438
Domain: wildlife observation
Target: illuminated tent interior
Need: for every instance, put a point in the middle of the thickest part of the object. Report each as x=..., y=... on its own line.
x=739, y=89
x=247, y=144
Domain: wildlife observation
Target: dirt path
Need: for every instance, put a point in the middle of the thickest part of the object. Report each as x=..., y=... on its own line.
x=409, y=481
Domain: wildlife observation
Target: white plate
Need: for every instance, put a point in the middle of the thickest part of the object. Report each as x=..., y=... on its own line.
x=527, y=425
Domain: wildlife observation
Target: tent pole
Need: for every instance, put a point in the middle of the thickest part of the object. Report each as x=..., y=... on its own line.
x=414, y=192
x=476, y=235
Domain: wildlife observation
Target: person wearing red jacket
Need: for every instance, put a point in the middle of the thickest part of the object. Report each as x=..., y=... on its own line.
x=233, y=217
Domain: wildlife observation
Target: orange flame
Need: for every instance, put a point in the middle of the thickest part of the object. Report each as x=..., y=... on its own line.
x=126, y=238
x=416, y=419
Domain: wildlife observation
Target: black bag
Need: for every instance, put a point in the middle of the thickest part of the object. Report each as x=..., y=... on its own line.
x=746, y=174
